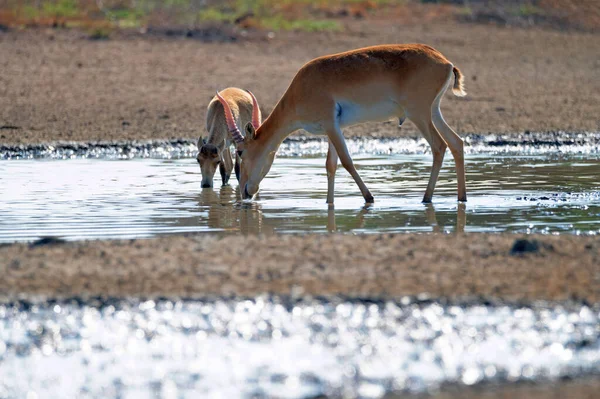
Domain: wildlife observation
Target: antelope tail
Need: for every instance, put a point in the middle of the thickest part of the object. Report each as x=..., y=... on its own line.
x=459, y=83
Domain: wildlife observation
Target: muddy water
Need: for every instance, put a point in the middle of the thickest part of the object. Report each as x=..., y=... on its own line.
x=99, y=198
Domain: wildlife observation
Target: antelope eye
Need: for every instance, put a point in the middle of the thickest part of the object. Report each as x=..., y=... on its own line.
x=198, y=160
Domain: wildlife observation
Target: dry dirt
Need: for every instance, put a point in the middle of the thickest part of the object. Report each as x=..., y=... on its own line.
x=58, y=85
x=458, y=266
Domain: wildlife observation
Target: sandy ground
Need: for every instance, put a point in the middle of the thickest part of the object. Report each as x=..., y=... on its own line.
x=377, y=266
x=58, y=85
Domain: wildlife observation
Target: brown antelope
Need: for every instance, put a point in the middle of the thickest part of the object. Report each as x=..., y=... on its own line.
x=369, y=84
x=213, y=151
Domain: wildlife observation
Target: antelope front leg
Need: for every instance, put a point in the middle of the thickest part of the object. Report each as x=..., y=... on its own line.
x=331, y=166
x=337, y=139
x=237, y=166
x=226, y=166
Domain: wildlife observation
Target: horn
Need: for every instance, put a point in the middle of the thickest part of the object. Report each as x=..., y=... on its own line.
x=255, y=111
x=231, y=125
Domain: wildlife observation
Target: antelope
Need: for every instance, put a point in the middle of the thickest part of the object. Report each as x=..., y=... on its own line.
x=241, y=106
x=368, y=84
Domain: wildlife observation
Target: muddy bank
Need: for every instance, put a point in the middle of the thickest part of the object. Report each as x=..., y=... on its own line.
x=57, y=86
x=556, y=268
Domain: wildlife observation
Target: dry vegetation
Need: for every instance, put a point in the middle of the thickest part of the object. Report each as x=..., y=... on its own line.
x=307, y=15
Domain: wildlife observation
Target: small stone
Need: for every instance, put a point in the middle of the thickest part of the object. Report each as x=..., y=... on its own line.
x=522, y=246
x=47, y=241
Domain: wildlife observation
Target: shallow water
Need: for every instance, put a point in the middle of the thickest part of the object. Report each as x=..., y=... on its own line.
x=274, y=347
x=278, y=347
x=584, y=143
x=98, y=198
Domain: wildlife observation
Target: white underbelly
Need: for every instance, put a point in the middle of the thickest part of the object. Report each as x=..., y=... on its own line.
x=349, y=113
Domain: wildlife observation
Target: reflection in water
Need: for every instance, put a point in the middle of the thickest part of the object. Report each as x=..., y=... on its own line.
x=461, y=217
x=221, y=213
x=227, y=213
x=359, y=221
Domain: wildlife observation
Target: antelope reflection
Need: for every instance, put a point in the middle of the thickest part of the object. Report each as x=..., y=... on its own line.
x=228, y=214
x=430, y=219
x=357, y=223
x=461, y=218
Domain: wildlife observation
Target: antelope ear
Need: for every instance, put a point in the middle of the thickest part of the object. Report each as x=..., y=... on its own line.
x=250, y=131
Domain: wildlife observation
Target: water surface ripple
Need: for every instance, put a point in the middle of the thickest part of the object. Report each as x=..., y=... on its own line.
x=99, y=198
x=274, y=347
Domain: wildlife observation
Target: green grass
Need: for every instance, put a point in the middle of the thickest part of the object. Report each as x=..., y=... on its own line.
x=308, y=25
x=528, y=10
x=284, y=15
x=126, y=18
x=303, y=15
x=213, y=14
x=62, y=8
x=30, y=12
x=55, y=9
x=99, y=34
x=269, y=21
x=465, y=11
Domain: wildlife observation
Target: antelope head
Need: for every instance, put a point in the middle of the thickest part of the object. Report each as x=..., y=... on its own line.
x=209, y=158
x=248, y=181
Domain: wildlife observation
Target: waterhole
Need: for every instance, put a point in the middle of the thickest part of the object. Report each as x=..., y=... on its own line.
x=283, y=347
x=143, y=197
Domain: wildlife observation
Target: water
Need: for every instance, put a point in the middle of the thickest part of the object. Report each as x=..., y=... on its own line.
x=523, y=144
x=144, y=197
x=275, y=347
x=282, y=347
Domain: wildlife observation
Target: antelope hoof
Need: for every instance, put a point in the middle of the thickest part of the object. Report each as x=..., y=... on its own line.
x=462, y=198
x=245, y=194
x=369, y=199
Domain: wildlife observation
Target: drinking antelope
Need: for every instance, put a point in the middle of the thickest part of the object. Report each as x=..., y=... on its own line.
x=242, y=108
x=368, y=84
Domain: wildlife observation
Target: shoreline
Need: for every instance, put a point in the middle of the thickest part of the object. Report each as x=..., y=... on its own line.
x=557, y=140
